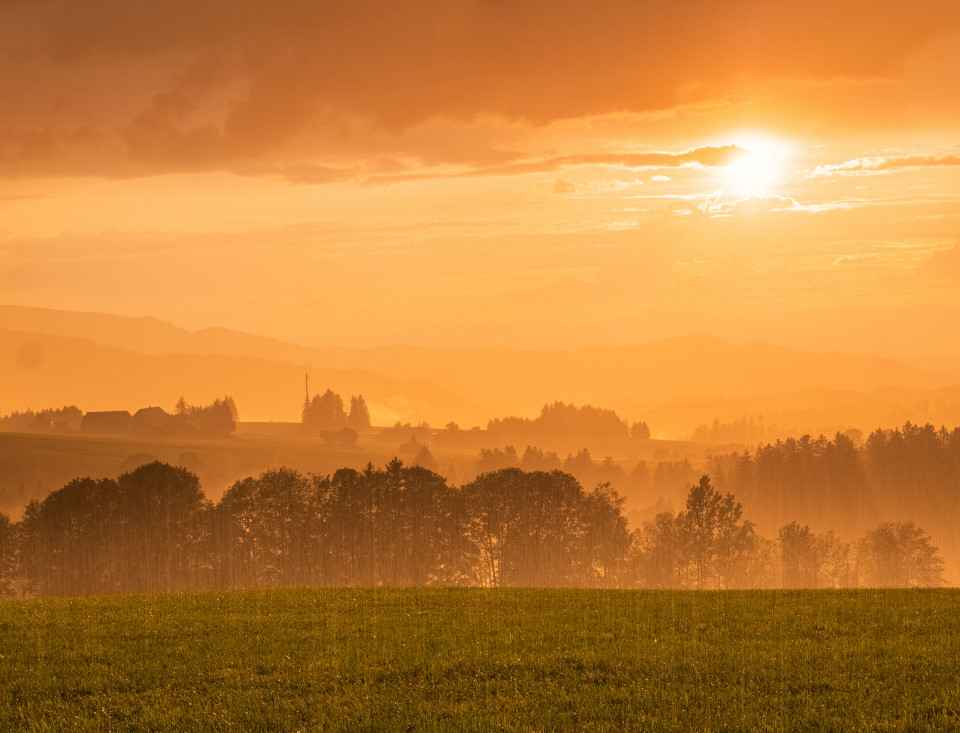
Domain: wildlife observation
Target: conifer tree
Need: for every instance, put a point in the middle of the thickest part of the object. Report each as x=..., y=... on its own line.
x=359, y=418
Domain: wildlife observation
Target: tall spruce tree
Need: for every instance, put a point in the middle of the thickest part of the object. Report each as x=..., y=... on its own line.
x=359, y=418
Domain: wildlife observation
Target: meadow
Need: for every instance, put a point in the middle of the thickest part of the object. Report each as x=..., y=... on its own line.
x=473, y=659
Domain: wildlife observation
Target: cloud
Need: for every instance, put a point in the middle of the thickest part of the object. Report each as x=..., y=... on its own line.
x=715, y=206
x=884, y=164
x=750, y=204
x=110, y=87
x=856, y=259
x=707, y=156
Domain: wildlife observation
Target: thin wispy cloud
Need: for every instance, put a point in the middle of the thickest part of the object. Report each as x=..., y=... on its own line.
x=703, y=157
x=884, y=164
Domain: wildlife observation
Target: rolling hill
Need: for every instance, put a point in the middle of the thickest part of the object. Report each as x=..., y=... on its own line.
x=161, y=361
x=41, y=370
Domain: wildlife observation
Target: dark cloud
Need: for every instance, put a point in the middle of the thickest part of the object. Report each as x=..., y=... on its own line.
x=120, y=88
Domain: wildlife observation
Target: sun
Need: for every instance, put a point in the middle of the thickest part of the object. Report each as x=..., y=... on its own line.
x=756, y=170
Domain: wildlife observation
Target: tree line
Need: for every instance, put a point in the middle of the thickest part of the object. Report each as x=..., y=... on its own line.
x=559, y=426
x=67, y=417
x=664, y=478
x=216, y=420
x=563, y=424
x=325, y=414
x=709, y=544
x=152, y=529
x=851, y=483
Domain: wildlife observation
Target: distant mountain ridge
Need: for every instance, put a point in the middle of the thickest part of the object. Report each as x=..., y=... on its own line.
x=42, y=370
x=495, y=381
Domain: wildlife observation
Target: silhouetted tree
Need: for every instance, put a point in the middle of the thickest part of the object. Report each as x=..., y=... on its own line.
x=581, y=463
x=144, y=531
x=267, y=530
x=714, y=535
x=164, y=535
x=813, y=561
x=850, y=483
x=805, y=480
x=698, y=526
x=640, y=431
x=605, y=545
x=151, y=529
x=64, y=418
x=216, y=420
x=798, y=557
x=563, y=425
x=541, y=529
x=190, y=460
x=396, y=526
x=403, y=431
x=409, y=447
x=9, y=542
x=707, y=544
x=899, y=554
x=495, y=459
x=305, y=414
x=534, y=459
x=738, y=559
x=670, y=477
x=71, y=541
x=425, y=459
x=325, y=412
x=359, y=418
x=659, y=552
x=835, y=565
x=347, y=512
x=418, y=526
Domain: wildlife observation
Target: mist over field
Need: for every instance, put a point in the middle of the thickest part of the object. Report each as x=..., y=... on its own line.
x=833, y=491
x=479, y=365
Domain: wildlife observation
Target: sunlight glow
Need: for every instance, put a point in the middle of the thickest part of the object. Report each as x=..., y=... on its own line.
x=757, y=170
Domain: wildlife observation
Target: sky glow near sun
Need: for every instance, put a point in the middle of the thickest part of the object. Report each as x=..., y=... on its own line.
x=757, y=170
x=451, y=174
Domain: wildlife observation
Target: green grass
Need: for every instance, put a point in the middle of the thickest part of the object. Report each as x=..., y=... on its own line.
x=474, y=659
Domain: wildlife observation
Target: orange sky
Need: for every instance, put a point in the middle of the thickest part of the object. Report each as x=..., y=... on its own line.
x=527, y=173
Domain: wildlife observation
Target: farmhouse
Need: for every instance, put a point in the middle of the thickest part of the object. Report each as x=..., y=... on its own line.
x=109, y=421
x=151, y=421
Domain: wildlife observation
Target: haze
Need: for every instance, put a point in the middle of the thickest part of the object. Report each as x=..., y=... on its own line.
x=362, y=360
x=527, y=174
x=708, y=226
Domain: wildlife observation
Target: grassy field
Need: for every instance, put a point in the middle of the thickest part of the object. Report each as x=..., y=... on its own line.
x=474, y=659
